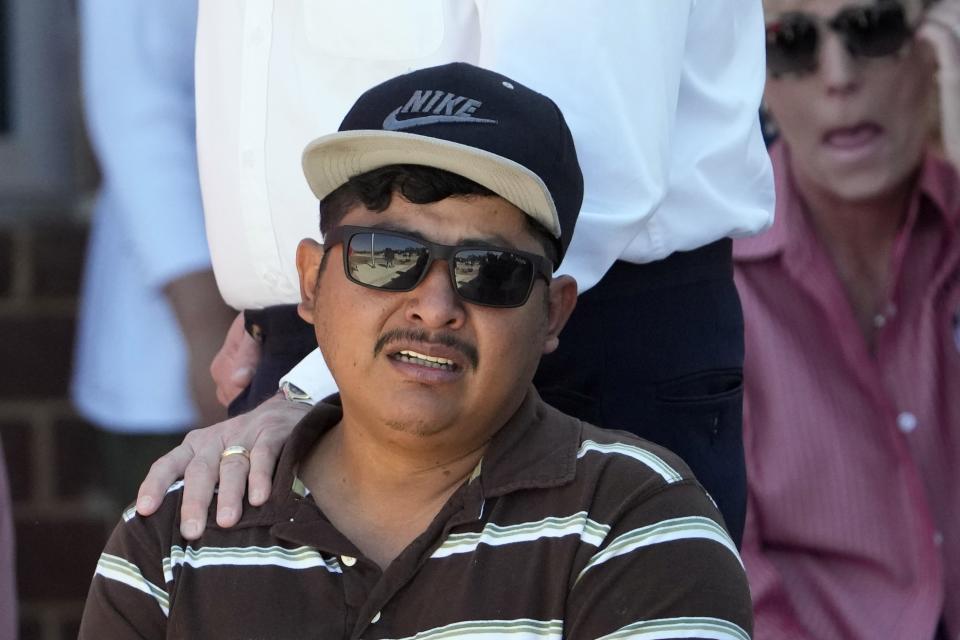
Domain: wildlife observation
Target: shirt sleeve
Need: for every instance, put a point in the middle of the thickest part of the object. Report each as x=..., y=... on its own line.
x=128, y=597
x=666, y=569
x=137, y=72
x=310, y=381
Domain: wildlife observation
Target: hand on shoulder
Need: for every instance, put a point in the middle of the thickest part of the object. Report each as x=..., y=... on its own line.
x=198, y=461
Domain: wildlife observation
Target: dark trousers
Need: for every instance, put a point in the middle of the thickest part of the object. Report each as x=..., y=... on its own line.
x=653, y=349
x=285, y=339
x=657, y=350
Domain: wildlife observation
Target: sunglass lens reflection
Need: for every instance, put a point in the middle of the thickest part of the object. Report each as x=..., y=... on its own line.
x=869, y=31
x=792, y=45
x=496, y=278
x=874, y=31
x=396, y=263
x=386, y=261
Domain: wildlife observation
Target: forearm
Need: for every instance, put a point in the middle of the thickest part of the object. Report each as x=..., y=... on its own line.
x=203, y=320
x=202, y=315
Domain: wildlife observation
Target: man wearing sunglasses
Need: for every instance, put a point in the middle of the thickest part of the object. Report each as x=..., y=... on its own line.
x=662, y=100
x=851, y=303
x=436, y=495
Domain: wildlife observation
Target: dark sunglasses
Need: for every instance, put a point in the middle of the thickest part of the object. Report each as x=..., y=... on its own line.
x=394, y=261
x=870, y=31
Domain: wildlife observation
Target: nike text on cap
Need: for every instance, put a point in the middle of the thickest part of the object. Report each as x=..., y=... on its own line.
x=466, y=120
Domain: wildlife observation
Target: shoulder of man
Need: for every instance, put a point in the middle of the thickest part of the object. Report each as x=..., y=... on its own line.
x=655, y=555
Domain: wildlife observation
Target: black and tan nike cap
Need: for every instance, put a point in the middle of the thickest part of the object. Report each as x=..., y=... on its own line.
x=466, y=120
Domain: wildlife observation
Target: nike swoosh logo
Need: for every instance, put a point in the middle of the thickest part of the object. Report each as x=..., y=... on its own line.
x=391, y=123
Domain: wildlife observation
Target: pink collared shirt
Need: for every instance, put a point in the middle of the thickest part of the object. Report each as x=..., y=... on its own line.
x=853, y=458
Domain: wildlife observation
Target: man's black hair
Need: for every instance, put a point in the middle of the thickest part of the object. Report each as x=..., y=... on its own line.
x=418, y=184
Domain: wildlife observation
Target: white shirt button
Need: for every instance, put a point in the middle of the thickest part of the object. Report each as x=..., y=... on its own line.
x=907, y=422
x=937, y=538
x=249, y=159
x=348, y=561
x=376, y=618
x=257, y=36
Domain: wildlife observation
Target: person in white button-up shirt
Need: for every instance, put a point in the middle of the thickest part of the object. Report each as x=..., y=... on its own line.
x=662, y=98
x=150, y=310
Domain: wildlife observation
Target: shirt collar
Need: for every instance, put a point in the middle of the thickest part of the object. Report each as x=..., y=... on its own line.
x=937, y=185
x=536, y=448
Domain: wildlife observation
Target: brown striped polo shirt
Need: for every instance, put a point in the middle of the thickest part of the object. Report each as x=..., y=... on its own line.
x=564, y=530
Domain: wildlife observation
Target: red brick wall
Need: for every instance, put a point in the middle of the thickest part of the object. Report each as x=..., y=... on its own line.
x=62, y=517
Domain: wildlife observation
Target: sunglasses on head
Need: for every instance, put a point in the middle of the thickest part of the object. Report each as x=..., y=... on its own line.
x=868, y=31
x=395, y=261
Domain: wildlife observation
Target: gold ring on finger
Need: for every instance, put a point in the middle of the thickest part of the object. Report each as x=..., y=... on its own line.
x=235, y=450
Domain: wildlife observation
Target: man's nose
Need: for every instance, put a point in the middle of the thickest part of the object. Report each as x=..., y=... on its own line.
x=434, y=303
x=838, y=69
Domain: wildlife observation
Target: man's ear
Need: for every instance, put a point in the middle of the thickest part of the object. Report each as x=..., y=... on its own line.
x=562, y=298
x=309, y=256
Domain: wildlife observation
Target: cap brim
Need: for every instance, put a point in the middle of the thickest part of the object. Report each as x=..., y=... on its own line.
x=331, y=160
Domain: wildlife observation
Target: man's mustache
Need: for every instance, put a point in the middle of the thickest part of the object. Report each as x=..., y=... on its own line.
x=424, y=337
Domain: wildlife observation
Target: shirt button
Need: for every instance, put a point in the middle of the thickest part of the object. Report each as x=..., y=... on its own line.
x=937, y=538
x=376, y=618
x=907, y=422
x=257, y=36
x=348, y=561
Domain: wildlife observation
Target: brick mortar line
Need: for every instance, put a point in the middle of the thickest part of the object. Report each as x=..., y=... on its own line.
x=23, y=307
x=27, y=410
x=21, y=285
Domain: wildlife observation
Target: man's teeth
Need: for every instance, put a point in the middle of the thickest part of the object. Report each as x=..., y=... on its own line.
x=425, y=360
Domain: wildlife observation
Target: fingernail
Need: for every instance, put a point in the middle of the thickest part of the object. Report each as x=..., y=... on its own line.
x=190, y=529
x=257, y=496
x=144, y=504
x=225, y=514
